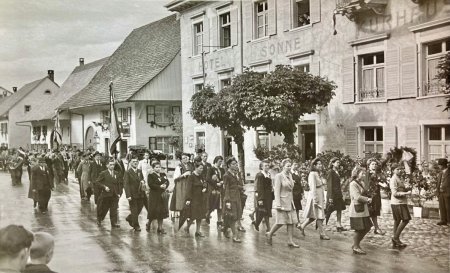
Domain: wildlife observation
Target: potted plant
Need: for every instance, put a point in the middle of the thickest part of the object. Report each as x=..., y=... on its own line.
x=423, y=184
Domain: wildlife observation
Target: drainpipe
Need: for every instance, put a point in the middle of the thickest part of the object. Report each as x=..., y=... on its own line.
x=242, y=37
x=82, y=126
x=24, y=125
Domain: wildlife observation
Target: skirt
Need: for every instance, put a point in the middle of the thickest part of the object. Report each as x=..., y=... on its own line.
x=283, y=217
x=400, y=212
x=298, y=202
x=339, y=203
x=360, y=223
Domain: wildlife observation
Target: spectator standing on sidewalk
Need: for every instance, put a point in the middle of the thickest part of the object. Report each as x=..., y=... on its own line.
x=399, y=204
x=41, y=253
x=15, y=242
x=443, y=191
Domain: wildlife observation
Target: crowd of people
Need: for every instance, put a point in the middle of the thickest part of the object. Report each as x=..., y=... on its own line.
x=199, y=188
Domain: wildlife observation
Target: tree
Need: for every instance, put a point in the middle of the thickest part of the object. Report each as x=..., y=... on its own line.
x=214, y=109
x=277, y=100
x=444, y=76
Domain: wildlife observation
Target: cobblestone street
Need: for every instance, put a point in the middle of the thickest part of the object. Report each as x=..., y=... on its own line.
x=83, y=247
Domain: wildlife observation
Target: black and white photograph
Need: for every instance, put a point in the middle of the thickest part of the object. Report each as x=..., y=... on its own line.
x=143, y=136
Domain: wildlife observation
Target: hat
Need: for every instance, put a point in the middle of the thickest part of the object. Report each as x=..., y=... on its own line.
x=96, y=153
x=442, y=162
x=43, y=243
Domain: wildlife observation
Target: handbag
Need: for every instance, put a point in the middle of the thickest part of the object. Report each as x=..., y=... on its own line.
x=359, y=207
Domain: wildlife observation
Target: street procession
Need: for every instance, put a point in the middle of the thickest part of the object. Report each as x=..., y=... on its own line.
x=225, y=136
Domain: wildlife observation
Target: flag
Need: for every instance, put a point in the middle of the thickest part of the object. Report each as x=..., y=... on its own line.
x=114, y=128
x=56, y=133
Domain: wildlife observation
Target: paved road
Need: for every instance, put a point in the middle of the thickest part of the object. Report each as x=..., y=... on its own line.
x=83, y=247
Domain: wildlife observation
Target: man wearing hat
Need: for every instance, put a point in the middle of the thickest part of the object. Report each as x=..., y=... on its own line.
x=41, y=184
x=41, y=253
x=443, y=191
x=96, y=168
x=15, y=242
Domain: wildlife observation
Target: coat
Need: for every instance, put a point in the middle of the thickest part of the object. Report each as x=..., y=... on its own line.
x=96, y=169
x=133, y=184
x=195, y=194
x=333, y=185
x=219, y=173
x=264, y=191
x=315, y=203
x=83, y=171
x=179, y=191
x=41, y=183
x=113, y=183
x=283, y=192
x=444, y=183
x=157, y=208
x=232, y=194
x=357, y=198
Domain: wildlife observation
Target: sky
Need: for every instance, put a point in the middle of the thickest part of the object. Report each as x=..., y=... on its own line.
x=39, y=35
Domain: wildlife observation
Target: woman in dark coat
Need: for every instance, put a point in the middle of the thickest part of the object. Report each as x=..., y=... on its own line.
x=264, y=192
x=232, y=197
x=215, y=186
x=297, y=191
x=195, y=191
x=334, y=192
x=157, y=208
x=374, y=181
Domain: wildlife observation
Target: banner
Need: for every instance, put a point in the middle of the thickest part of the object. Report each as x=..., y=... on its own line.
x=114, y=127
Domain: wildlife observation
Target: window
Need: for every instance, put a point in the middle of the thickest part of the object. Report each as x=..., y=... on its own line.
x=198, y=87
x=263, y=138
x=105, y=117
x=433, y=53
x=200, y=142
x=27, y=108
x=303, y=67
x=262, y=24
x=198, y=38
x=4, y=128
x=225, y=82
x=225, y=30
x=373, y=140
x=159, y=114
x=301, y=13
x=372, y=77
x=124, y=115
x=438, y=141
x=176, y=114
x=160, y=144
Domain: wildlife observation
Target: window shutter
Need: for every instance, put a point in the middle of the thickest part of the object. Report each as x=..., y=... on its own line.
x=351, y=142
x=234, y=17
x=286, y=9
x=314, y=67
x=314, y=7
x=190, y=38
x=272, y=16
x=348, y=80
x=412, y=137
x=409, y=71
x=206, y=33
x=215, y=32
x=390, y=137
x=247, y=12
x=392, y=73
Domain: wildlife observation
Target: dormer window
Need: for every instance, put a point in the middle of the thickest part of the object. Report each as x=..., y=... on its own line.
x=27, y=108
x=47, y=92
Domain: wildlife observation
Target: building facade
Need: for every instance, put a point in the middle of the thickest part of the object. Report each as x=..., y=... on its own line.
x=383, y=59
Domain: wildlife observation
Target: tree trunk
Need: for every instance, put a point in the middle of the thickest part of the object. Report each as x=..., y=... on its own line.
x=239, y=140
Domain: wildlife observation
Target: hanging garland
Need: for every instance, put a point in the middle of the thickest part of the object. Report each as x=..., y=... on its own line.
x=154, y=124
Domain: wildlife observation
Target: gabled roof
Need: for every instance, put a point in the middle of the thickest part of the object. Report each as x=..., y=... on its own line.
x=143, y=55
x=77, y=80
x=10, y=101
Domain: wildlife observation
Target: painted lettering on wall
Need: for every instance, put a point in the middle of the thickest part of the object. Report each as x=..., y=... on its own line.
x=269, y=49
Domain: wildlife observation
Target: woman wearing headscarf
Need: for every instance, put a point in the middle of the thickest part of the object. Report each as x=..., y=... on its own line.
x=399, y=205
x=374, y=181
x=334, y=192
x=315, y=203
x=284, y=203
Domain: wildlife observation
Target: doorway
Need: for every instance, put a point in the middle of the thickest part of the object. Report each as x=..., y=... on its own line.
x=307, y=139
x=90, y=139
x=123, y=148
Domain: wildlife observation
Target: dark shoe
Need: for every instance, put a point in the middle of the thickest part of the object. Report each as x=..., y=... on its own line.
x=324, y=237
x=115, y=225
x=255, y=226
x=137, y=229
x=268, y=238
x=441, y=223
x=199, y=234
x=340, y=229
x=396, y=243
x=293, y=245
x=301, y=229
x=379, y=231
x=99, y=223
x=161, y=231
x=237, y=240
x=358, y=251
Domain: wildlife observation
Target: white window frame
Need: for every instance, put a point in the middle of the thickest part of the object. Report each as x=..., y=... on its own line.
x=160, y=140
x=197, y=37
x=378, y=92
x=222, y=29
x=264, y=15
x=443, y=143
x=376, y=142
x=434, y=84
x=263, y=138
x=295, y=14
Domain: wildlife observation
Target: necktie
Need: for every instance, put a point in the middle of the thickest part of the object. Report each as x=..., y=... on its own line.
x=98, y=162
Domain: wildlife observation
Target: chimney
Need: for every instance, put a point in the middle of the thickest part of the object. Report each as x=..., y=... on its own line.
x=14, y=89
x=51, y=75
x=81, y=61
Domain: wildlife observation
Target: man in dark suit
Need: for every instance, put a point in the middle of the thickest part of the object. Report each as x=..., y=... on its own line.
x=135, y=191
x=443, y=191
x=110, y=184
x=41, y=184
x=97, y=167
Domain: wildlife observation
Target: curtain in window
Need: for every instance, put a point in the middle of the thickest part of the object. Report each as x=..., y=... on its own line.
x=380, y=81
x=367, y=80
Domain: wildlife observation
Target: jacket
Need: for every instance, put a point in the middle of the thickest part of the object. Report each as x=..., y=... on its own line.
x=283, y=192
x=40, y=179
x=333, y=185
x=133, y=183
x=113, y=183
x=357, y=198
x=444, y=183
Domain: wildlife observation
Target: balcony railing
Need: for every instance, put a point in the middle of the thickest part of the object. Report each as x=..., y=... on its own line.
x=436, y=87
x=371, y=95
x=351, y=8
